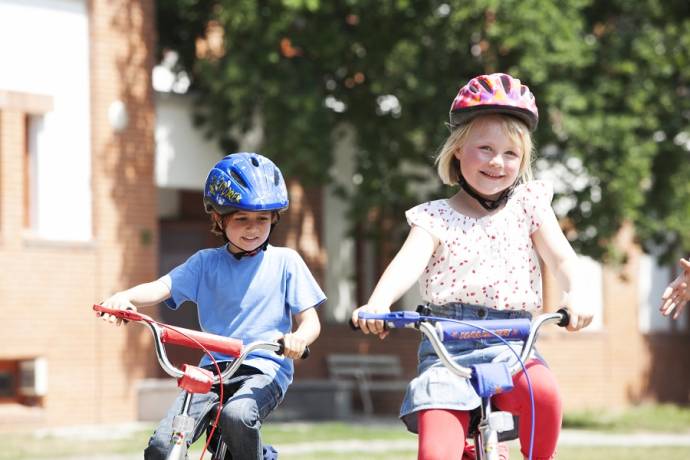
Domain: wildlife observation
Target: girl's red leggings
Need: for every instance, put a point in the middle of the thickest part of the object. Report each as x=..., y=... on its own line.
x=442, y=432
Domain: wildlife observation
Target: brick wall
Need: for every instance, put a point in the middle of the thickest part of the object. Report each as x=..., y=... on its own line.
x=46, y=298
x=122, y=52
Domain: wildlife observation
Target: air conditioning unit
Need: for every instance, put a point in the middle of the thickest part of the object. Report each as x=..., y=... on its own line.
x=33, y=377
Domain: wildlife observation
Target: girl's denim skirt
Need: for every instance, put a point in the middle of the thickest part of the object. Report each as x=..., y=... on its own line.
x=435, y=387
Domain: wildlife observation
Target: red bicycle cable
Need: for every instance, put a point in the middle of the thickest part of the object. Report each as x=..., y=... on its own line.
x=220, y=381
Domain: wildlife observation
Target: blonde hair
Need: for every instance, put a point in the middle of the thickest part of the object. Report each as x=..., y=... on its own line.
x=447, y=165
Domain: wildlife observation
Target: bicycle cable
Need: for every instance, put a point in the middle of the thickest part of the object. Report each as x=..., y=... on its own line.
x=220, y=381
x=522, y=365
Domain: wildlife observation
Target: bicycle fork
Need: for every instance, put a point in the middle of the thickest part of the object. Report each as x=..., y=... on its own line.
x=182, y=428
x=492, y=423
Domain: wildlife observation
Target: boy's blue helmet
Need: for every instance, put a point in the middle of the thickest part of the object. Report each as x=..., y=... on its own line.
x=245, y=181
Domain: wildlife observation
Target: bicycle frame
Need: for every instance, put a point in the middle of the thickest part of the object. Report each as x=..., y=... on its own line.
x=438, y=330
x=183, y=423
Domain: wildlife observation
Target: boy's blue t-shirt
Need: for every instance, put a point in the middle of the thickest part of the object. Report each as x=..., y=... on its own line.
x=251, y=299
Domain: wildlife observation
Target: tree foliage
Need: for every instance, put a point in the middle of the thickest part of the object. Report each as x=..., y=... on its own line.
x=611, y=80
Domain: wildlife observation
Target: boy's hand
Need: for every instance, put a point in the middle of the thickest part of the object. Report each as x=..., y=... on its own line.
x=370, y=326
x=677, y=294
x=294, y=346
x=118, y=301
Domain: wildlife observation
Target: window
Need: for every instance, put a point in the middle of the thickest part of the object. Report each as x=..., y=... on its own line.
x=589, y=294
x=8, y=381
x=34, y=130
x=23, y=381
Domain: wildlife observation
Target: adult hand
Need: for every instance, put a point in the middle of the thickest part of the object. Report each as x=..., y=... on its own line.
x=677, y=293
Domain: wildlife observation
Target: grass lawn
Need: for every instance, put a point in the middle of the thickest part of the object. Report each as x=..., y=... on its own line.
x=571, y=453
x=337, y=440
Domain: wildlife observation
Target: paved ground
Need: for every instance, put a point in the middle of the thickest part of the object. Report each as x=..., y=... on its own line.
x=568, y=437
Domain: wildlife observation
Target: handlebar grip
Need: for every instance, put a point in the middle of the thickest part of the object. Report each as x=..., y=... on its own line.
x=565, y=317
x=189, y=338
x=305, y=354
x=356, y=328
x=129, y=315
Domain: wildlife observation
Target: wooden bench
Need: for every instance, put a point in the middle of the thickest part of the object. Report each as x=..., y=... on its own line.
x=370, y=373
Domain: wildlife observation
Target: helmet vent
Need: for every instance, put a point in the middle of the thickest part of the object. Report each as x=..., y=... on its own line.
x=276, y=177
x=506, y=83
x=239, y=179
x=485, y=84
x=255, y=162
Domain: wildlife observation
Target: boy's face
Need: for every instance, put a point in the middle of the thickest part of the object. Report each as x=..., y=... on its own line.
x=247, y=230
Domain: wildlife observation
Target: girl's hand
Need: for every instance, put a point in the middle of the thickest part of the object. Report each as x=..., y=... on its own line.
x=579, y=319
x=677, y=294
x=370, y=326
x=294, y=346
x=118, y=301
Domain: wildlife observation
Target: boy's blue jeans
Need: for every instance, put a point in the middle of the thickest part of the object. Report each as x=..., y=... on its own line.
x=254, y=396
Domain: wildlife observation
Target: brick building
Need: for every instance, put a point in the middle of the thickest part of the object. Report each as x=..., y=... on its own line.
x=77, y=205
x=100, y=184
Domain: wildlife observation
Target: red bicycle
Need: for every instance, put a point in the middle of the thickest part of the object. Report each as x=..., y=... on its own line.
x=194, y=380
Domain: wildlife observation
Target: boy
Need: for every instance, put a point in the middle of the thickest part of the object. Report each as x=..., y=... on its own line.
x=246, y=289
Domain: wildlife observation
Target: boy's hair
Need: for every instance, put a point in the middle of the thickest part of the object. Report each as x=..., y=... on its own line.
x=448, y=167
x=218, y=222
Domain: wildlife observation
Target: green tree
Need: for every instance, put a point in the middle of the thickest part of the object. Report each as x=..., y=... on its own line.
x=610, y=79
x=628, y=121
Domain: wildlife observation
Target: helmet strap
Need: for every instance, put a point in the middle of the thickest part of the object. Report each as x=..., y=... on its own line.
x=245, y=253
x=486, y=203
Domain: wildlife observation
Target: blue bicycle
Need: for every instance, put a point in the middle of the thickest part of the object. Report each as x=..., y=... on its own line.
x=487, y=379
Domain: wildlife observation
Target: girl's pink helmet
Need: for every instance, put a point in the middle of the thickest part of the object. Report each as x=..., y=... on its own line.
x=495, y=93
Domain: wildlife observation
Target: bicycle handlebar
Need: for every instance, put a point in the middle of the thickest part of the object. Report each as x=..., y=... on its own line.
x=180, y=336
x=440, y=331
x=164, y=333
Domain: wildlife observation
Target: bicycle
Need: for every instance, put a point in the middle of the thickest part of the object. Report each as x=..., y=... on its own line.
x=487, y=379
x=195, y=380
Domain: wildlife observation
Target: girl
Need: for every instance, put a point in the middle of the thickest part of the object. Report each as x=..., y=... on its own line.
x=476, y=257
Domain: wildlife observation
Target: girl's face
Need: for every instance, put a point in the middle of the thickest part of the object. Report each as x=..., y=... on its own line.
x=490, y=158
x=247, y=230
